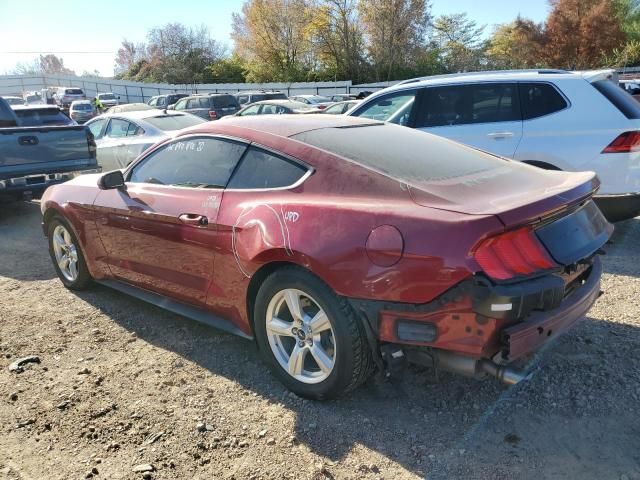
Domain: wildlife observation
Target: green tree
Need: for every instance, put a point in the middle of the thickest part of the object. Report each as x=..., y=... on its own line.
x=226, y=70
x=274, y=37
x=459, y=40
x=395, y=32
x=338, y=36
x=519, y=44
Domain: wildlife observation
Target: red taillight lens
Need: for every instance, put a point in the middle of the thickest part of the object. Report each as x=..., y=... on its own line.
x=512, y=254
x=624, y=143
x=213, y=114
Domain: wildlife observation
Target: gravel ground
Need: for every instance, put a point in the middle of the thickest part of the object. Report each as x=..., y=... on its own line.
x=126, y=390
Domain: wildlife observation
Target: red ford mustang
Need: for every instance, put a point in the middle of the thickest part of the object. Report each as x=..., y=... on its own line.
x=340, y=245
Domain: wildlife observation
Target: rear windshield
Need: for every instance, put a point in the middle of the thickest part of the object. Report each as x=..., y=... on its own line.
x=174, y=98
x=275, y=96
x=223, y=101
x=174, y=122
x=624, y=102
x=73, y=91
x=35, y=117
x=402, y=153
x=84, y=107
x=107, y=96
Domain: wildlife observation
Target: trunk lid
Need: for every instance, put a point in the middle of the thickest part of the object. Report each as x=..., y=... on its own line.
x=516, y=193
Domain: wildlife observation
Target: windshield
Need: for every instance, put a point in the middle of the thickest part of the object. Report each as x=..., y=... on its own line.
x=299, y=106
x=33, y=98
x=35, y=117
x=107, y=96
x=82, y=107
x=224, y=101
x=73, y=91
x=318, y=99
x=411, y=156
x=174, y=122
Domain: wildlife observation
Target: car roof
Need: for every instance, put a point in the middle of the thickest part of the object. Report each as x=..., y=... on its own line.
x=280, y=101
x=257, y=92
x=283, y=125
x=35, y=107
x=142, y=114
x=500, y=75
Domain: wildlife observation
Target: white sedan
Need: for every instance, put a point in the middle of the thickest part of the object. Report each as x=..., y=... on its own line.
x=121, y=137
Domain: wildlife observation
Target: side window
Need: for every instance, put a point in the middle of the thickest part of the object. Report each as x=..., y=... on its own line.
x=260, y=169
x=134, y=130
x=269, y=109
x=538, y=99
x=181, y=105
x=252, y=110
x=195, y=162
x=162, y=101
x=96, y=128
x=242, y=99
x=204, y=102
x=193, y=103
x=468, y=104
x=117, y=128
x=153, y=102
x=395, y=107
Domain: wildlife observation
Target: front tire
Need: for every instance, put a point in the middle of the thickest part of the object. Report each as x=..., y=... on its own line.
x=66, y=254
x=310, y=337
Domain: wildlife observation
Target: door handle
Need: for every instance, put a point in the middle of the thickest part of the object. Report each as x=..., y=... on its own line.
x=28, y=140
x=194, y=219
x=498, y=135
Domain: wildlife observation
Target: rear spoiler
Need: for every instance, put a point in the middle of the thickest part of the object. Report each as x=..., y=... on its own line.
x=593, y=76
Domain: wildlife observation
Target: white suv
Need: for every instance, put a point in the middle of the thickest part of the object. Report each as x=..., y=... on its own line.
x=549, y=118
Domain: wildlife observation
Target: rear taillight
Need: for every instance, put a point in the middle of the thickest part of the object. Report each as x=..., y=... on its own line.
x=213, y=114
x=624, y=143
x=512, y=254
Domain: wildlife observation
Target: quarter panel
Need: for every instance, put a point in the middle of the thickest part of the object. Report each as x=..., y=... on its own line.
x=74, y=201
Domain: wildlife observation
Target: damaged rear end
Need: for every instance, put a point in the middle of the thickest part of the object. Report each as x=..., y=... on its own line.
x=532, y=280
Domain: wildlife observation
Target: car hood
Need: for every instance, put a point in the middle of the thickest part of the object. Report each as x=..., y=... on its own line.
x=516, y=192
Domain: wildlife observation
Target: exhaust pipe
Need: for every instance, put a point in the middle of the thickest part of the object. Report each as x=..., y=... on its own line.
x=469, y=367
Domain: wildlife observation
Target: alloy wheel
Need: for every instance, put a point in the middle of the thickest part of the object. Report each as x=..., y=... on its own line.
x=300, y=336
x=66, y=253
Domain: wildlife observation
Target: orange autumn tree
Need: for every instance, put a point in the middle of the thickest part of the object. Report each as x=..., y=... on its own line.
x=579, y=33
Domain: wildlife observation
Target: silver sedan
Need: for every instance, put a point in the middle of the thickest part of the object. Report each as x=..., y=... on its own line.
x=121, y=137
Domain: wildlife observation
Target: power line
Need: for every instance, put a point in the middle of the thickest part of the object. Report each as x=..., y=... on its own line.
x=58, y=52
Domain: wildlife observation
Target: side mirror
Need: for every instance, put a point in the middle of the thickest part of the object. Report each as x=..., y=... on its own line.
x=118, y=97
x=111, y=180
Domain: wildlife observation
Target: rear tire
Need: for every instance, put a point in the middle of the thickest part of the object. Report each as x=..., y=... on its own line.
x=318, y=349
x=66, y=254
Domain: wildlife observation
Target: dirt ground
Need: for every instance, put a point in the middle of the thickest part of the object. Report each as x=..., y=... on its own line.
x=123, y=387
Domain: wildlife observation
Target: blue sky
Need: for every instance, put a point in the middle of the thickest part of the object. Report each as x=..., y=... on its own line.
x=78, y=26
